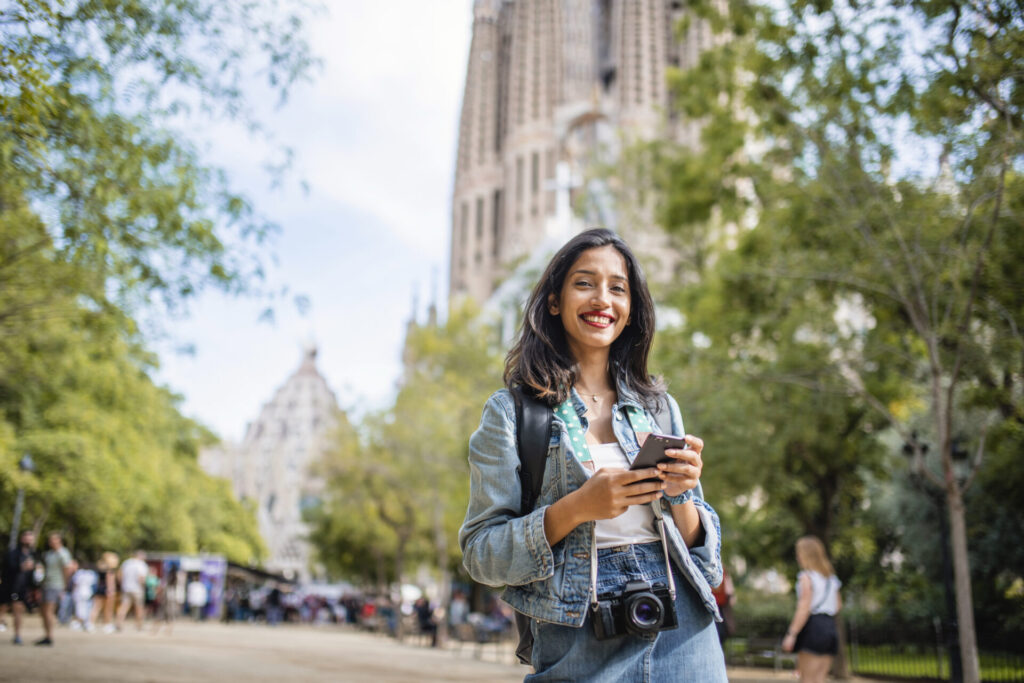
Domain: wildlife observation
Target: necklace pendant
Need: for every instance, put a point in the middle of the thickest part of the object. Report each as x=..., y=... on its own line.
x=597, y=399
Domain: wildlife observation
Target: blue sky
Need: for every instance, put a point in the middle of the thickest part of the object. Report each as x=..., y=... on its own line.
x=374, y=136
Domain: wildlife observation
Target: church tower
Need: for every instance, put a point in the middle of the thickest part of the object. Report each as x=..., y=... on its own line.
x=551, y=86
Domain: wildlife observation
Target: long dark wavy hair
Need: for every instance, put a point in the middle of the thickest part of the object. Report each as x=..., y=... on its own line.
x=540, y=360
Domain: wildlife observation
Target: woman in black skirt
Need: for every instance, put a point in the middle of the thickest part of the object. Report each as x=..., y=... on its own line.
x=812, y=632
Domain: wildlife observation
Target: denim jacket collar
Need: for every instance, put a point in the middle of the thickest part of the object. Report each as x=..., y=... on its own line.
x=627, y=397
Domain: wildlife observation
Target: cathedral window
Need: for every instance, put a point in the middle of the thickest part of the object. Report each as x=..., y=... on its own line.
x=534, y=172
x=464, y=225
x=495, y=224
x=479, y=220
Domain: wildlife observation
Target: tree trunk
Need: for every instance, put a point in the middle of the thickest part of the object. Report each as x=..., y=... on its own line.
x=380, y=574
x=962, y=581
x=841, y=664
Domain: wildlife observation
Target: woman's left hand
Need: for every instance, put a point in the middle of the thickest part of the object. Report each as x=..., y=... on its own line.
x=683, y=474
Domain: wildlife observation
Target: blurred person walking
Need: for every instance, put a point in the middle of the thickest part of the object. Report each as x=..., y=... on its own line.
x=197, y=596
x=166, y=602
x=151, y=585
x=83, y=588
x=66, y=607
x=425, y=621
x=273, y=606
x=58, y=565
x=106, y=591
x=133, y=577
x=812, y=633
x=458, y=609
x=725, y=596
x=16, y=579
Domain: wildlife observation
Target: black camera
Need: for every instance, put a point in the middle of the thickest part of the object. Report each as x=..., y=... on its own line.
x=639, y=608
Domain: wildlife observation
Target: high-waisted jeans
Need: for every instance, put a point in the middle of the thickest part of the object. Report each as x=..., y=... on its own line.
x=690, y=652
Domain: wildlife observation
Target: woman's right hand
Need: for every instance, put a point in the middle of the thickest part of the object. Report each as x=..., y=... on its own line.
x=611, y=490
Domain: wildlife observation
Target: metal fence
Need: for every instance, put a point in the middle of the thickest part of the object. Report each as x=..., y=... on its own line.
x=918, y=650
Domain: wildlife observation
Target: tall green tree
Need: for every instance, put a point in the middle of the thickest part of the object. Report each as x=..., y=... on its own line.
x=95, y=100
x=109, y=218
x=875, y=151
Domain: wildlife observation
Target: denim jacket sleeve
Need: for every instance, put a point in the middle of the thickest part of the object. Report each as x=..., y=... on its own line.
x=499, y=546
x=708, y=556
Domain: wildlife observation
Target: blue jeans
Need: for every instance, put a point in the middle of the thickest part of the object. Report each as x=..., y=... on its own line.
x=690, y=652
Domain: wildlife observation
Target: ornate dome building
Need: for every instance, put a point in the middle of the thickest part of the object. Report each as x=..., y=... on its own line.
x=271, y=467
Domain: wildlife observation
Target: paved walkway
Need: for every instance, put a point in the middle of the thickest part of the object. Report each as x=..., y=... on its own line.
x=255, y=652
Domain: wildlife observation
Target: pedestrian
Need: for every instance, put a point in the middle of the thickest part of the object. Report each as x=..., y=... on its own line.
x=614, y=566
x=66, y=606
x=16, y=580
x=133, y=582
x=150, y=585
x=106, y=591
x=197, y=596
x=425, y=622
x=458, y=610
x=166, y=602
x=725, y=596
x=58, y=566
x=812, y=633
x=83, y=588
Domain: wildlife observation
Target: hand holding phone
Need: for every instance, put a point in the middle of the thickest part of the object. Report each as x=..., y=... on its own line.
x=653, y=450
x=680, y=473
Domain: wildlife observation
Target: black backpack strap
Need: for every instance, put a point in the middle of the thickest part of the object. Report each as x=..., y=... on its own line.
x=533, y=436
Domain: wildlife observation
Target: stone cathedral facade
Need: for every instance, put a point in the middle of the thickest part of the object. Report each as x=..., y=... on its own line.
x=553, y=86
x=271, y=468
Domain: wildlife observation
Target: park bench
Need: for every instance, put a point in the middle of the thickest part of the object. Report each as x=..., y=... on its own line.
x=473, y=633
x=760, y=648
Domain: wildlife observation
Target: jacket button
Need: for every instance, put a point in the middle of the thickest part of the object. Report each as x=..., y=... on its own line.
x=618, y=416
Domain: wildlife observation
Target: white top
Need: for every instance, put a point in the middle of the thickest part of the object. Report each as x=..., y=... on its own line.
x=133, y=574
x=84, y=584
x=636, y=524
x=196, y=593
x=824, y=592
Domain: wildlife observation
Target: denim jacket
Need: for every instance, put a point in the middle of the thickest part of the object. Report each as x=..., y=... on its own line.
x=502, y=547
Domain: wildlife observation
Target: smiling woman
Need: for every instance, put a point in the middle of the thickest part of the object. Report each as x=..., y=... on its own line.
x=595, y=565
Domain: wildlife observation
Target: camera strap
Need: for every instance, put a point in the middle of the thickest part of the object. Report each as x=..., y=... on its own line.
x=659, y=519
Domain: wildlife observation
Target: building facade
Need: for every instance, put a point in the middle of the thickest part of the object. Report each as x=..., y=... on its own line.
x=552, y=88
x=271, y=468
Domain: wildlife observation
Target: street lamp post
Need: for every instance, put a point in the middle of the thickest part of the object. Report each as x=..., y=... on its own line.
x=25, y=465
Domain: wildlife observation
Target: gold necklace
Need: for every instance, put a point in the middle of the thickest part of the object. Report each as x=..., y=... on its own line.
x=595, y=398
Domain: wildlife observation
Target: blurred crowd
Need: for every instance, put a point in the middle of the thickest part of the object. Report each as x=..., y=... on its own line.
x=90, y=596
x=110, y=593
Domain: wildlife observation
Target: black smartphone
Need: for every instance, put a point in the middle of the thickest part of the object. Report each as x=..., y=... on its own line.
x=653, y=450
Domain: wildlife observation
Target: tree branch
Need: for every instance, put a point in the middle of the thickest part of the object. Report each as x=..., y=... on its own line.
x=979, y=263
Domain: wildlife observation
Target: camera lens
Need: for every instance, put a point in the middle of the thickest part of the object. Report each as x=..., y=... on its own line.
x=645, y=612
